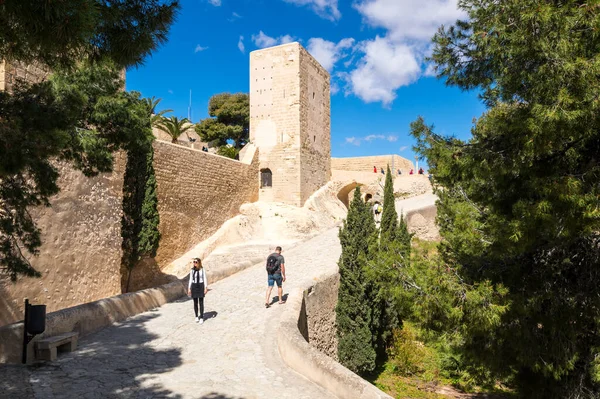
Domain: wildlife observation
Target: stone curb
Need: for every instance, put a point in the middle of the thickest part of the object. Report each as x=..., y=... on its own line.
x=88, y=317
x=308, y=361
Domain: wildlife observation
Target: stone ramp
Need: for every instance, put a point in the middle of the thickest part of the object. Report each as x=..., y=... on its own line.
x=164, y=353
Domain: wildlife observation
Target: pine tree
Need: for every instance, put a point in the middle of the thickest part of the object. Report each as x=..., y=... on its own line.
x=391, y=253
x=353, y=312
x=81, y=115
x=519, y=211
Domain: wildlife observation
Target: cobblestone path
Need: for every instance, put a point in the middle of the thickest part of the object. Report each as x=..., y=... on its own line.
x=164, y=353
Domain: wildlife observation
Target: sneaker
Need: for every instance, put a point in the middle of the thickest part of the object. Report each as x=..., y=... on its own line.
x=201, y=321
x=197, y=319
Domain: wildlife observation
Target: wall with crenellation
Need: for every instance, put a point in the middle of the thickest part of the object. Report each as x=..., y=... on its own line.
x=289, y=121
x=365, y=164
x=197, y=193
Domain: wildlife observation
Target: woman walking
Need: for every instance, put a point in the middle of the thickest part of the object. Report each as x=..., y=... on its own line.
x=197, y=288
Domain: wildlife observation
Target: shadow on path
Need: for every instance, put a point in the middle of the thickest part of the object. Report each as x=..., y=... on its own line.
x=276, y=299
x=215, y=395
x=117, y=362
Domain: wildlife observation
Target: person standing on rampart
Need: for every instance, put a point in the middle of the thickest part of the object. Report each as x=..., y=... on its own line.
x=275, y=275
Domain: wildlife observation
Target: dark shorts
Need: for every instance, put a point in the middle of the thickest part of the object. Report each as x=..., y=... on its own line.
x=275, y=278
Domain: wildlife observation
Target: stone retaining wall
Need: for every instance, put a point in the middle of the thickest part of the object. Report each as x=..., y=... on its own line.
x=88, y=318
x=421, y=222
x=299, y=323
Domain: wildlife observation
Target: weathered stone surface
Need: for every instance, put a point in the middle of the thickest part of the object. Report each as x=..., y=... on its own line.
x=11, y=72
x=320, y=302
x=80, y=255
x=289, y=121
x=365, y=164
x=197, y=193
x=421, y=222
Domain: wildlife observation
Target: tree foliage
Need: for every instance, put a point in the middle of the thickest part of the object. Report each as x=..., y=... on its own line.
x=353, y=313
x=174, y=126
x=155, y=116
x=80, y=115
x=140, y=220
x=389, y=216
x=518, y=211
x=60, y=34
x=229, y=120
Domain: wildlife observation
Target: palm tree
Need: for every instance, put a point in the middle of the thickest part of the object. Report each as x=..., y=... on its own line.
x=151, y=104
x=174, y=126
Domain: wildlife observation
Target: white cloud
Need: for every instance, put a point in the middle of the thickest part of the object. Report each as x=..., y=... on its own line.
x=328, y=53
x=397, y=58
x=241, y=44
x=234, y=17
x=199, y=48
x=216, y=3
x=327, y=9
x=352, y=140
x=403, y=148
x=371, y=137
x=262, y=40
x=385, y=67
x=409, y=19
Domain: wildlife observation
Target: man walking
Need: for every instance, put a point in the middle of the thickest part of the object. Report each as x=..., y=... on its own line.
x=276, y=274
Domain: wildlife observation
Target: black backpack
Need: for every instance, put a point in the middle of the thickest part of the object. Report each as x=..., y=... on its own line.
x=272, y=264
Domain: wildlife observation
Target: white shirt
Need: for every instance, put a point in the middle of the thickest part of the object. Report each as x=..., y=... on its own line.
x=200, y=277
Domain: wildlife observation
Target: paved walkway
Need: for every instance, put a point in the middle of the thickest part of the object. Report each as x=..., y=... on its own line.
x=164, y=353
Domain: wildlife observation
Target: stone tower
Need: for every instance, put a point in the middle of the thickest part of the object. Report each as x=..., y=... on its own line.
x=10, y=72
x=290, y=122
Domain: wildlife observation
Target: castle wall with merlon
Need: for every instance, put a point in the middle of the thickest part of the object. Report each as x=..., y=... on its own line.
x=289, y=121
x=366, y=164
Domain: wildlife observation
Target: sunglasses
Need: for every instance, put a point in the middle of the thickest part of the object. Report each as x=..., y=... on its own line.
x=195, y=261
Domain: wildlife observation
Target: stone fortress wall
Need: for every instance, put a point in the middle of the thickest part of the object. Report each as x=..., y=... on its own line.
x=365, y=164
x=197, y=193
x=10, y=72
x=80, y=256
x=289, y=121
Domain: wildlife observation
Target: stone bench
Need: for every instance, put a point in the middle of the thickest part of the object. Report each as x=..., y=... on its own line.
x=48, y=348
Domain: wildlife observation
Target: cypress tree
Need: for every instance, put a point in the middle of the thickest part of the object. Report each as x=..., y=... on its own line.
x=353, y=312
x=383, y=276
x=389, y=216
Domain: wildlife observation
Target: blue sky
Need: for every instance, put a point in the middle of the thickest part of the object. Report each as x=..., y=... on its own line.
x=373, y=49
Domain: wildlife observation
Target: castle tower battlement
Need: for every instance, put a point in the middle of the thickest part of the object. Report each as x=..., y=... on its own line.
x=290, y=122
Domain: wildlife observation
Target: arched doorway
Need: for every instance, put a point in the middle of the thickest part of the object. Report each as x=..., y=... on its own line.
x=266, y=178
